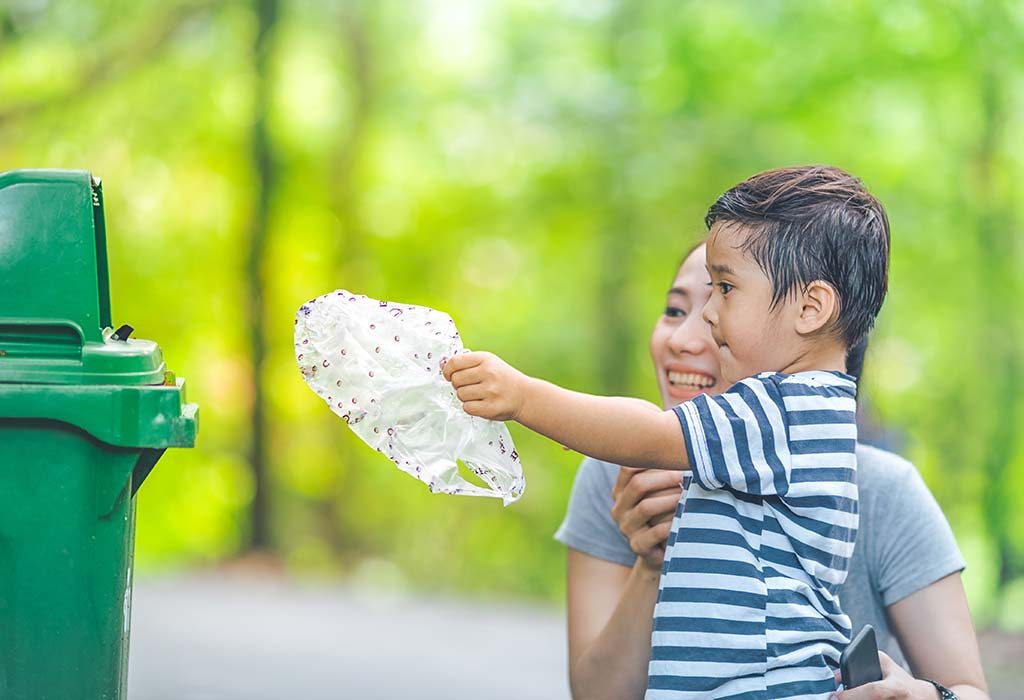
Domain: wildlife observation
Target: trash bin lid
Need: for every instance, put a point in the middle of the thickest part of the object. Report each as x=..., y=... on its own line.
x=55, y=290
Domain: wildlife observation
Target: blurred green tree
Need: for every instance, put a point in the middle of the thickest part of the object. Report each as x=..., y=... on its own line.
x=537, y=170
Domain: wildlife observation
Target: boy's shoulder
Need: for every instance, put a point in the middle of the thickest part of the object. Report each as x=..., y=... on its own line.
x=811, y=377
x=827, y=382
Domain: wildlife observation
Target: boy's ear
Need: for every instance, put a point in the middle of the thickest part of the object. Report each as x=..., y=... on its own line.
x=818, y=307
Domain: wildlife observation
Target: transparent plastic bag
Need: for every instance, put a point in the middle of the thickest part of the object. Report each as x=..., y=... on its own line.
x=377, y=364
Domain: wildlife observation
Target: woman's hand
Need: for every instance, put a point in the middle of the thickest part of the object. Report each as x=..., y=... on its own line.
x=645, y=502
x=896, y=684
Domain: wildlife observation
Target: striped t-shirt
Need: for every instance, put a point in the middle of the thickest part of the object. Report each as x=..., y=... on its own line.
x=748, y=606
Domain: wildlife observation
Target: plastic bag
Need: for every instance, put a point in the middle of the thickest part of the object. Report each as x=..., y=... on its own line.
x=377, y=364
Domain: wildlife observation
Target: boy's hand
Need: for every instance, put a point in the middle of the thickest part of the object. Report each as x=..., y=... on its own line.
x=487, y=386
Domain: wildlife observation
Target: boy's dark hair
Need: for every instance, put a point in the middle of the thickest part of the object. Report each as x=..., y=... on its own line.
x=815, y=223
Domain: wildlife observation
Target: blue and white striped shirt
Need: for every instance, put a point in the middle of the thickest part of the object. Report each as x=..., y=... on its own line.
x=747, y=606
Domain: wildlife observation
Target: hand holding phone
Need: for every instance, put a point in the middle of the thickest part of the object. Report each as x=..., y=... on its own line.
x=859, y=661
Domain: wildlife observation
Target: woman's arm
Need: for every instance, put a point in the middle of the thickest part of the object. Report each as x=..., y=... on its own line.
x=611, y=607
x=937, y=636
x=935, y=632
x=610, y=612
x=915, y=566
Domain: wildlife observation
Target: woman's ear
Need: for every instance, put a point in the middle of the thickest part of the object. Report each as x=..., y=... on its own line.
x=818, y=307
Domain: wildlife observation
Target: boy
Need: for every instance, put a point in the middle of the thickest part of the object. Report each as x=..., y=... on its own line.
x=747, y=605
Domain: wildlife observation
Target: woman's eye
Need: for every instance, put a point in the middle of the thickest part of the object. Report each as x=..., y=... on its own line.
x=674, y=312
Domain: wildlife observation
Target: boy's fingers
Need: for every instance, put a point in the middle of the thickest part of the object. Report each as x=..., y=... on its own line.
x=466, y=377
x=473, y=392
x=460, y=362
x=479, y=408
x=473, y=408
x=451, y=366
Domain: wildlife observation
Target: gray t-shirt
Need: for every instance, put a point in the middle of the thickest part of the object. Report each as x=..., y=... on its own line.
x=904, y=542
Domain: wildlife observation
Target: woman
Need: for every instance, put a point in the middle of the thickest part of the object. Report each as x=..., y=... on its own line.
x=904, y=578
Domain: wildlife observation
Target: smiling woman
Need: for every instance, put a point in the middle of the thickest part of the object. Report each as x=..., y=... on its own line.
x=682, y=357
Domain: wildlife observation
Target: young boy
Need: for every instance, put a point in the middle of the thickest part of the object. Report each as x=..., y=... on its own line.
x=747, y=605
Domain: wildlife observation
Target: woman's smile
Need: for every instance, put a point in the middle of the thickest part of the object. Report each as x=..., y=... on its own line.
x=683, y=382
x=696, y=379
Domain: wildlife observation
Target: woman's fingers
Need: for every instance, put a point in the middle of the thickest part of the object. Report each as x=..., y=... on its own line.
x=656, y=506
x=896, y=684
x=625, y=475
x=636, y=509
x=634, y=484
x=639, y=518
x=645, y=501
x=676, y=491
x=665, y=517
x=642, y=494
x=649, y=544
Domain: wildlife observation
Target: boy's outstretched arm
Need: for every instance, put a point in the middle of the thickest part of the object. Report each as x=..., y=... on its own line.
x=624, y=431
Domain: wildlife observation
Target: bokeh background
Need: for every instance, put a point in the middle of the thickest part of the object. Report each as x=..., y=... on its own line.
x=536, y=169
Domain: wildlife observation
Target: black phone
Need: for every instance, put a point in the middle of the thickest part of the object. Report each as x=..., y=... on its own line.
x=859, y=661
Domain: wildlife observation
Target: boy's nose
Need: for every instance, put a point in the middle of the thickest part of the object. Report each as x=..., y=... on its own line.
x=709, y=314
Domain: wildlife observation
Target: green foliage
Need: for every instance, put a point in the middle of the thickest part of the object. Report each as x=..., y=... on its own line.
x=536, y=170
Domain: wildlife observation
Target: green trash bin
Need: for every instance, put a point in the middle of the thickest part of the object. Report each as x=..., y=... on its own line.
x=85, y=413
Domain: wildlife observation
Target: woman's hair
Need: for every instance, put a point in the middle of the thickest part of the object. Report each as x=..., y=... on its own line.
x=689, y=251
x=855, y=358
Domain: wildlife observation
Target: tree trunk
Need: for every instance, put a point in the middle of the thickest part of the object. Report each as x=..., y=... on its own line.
x=615, y=235
x=1000, y=332
x=349, y=261
x=266, y=180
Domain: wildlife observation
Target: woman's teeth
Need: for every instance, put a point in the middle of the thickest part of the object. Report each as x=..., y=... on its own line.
x=701, y=381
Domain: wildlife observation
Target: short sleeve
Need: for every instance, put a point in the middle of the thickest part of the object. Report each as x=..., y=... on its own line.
x=588, y=526
x=739, y=439
x=913, y=545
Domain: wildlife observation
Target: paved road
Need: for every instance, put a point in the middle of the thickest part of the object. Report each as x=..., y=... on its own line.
x=236, y=637
x=220, y=638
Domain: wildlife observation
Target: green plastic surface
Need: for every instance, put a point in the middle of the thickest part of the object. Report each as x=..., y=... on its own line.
x=55, y=288
x=83, y=420
x=66, y=542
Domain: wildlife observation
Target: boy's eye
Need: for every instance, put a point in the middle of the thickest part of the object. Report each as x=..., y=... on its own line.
x=674, y=312
x=724, y=287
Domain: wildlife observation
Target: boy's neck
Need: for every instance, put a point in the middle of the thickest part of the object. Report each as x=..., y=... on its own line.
x=829, y=358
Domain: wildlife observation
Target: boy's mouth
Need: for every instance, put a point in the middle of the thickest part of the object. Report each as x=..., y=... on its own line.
x=690, y=379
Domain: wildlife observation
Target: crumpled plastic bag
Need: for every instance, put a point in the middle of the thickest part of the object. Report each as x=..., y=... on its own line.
x=377, y=364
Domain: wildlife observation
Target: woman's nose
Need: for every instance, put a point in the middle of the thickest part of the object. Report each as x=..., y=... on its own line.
x=692, y=336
